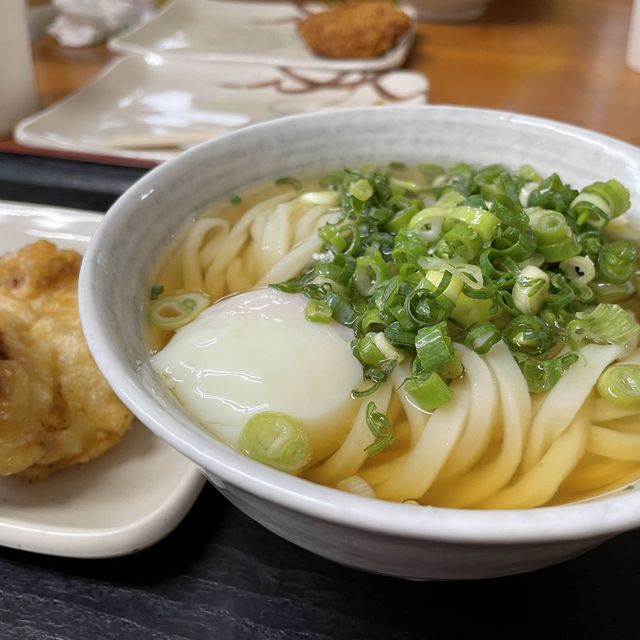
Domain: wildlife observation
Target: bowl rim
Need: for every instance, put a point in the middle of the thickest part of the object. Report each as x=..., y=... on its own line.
x=602, y=517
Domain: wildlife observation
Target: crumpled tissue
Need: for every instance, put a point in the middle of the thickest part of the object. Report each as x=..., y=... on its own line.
x=82, y=23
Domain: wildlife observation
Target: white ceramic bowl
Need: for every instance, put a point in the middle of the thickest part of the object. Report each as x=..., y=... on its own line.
x=394, y=539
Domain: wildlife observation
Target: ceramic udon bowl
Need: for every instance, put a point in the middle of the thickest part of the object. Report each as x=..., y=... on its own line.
x=395, y=539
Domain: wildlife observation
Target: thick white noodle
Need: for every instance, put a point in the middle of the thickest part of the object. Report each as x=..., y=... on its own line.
x=192, y=275
x=382, y=472
x=610, y=443
x=604, y=411
x=237, y=279
x=565, y=399
x=424, y=461
x=236, y=239
x=351, y=454
x=291, y=264
x=484, y=403
x=209, y=250
x=276, y=237
x=488, y=477
x=540, y=483
x=417, y=418
x=600, y=473
x=309, y=222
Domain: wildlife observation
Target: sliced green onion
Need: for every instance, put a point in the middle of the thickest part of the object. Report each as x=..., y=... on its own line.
x=535, y=260
x=483, y=222
x=400, y=337
x=461, y=240
x=366, y=391
x=361, y=189
x=578, y=269
x=560, y=250
x=600, y=202
x=482, y=337
x=374, y=349
x=291, y=182
x=175, y=311
x=370, y=271
x=434, y=347
x=528, y=334
x=529, y=173
x=610, y=293
x=620, y=385
x=606, y=324
x=552, y=194
x=156, y=291
x=431, y=170
x=561, y=294
x=318, y=311
x=548, y=226
x=470, y=274
x=276, y=439
x=530, y=290
x=542, y=375
x=381, y=427
x=446, y=284
x=341, y=310
x=428, y=393
x=469, y=311
x=401, y=219
x=453, y=369
x=617, y=261
x=235, y=199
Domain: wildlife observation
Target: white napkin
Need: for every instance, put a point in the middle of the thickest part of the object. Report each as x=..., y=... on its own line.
x=81, y=23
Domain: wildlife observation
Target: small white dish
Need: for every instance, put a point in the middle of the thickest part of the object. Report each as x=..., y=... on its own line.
x=238, y=31
x=152, y=108
x=120, y=503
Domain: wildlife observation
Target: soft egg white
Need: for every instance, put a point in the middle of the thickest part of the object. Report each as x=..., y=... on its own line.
x=256, y=351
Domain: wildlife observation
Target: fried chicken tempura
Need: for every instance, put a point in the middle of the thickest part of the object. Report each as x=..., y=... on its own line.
x=354, y=30
x=56, y=409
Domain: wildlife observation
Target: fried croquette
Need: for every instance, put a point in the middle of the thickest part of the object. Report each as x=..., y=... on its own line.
x=354, y=30
x=56, y=409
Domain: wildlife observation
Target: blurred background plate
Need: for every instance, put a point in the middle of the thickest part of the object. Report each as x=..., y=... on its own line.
x=238, y=31
x=150, y=108
x=124, y=501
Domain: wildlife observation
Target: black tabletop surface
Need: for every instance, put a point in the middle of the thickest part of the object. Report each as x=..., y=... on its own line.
x=219, y=575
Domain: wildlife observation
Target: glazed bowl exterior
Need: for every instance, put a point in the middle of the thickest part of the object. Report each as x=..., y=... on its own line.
x=395, y=539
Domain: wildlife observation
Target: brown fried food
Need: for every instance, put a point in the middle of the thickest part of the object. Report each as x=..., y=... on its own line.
x=56, y=409
x=354, y=30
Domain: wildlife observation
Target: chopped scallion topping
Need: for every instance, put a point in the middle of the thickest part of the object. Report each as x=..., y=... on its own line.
x=381, y=427
x=620, y=385
x=276, y=439
x=156, y=291
x=473, y=255
x=173, y=312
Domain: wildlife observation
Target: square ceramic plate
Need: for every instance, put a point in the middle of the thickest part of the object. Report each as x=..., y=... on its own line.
x=238, y=31
x=120, y=503
x=151, y=108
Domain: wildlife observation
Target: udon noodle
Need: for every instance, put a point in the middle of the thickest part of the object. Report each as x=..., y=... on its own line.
x=495, y=444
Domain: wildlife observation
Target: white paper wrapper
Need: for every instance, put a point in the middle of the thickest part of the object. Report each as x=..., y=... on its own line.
x=81, y=23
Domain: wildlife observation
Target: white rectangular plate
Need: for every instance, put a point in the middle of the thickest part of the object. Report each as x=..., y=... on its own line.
x=151, y=109
x=124, y=501
x=238, y=31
